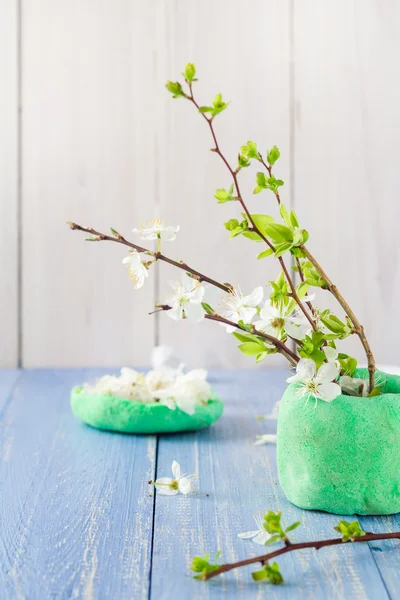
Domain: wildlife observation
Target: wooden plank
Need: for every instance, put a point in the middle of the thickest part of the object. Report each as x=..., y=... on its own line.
x=255, y=77
x=385, y=553
x=9, y=183
x=88, y=156
x=240, y=479
x=75, y=510
x=346, y=138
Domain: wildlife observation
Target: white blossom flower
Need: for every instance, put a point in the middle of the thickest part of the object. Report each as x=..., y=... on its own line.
x=266, y=438
x=260, y=536
x=317, y=384
x=276, y=320
x=331, y=354
x=163, y=356
x=179, y=483
x=354, y=386
x=137, y=270
x=238, y=307
x=188, y=391
x=187, y=296
x=157, y=229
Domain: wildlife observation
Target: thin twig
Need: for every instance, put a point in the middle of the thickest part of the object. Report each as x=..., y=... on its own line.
x=157, y=255
x=118, y=238
x=358, y=328
x=269, y=169
x=317, y=545
x=281, y=347
x=234, y=174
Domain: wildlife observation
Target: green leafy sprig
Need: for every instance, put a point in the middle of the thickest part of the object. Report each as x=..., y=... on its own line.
x=350, y=532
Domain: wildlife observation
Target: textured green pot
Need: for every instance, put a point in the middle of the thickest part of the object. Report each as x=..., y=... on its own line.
x=128, y=416
x=342, y=457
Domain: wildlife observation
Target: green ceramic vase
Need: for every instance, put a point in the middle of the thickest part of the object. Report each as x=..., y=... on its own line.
x=342, y=457
x=129, y=416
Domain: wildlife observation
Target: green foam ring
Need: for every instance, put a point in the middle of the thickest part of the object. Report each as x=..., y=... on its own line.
x=342, y=457
x=130, y=416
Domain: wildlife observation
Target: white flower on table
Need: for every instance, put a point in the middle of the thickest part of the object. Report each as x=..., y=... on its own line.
x=266, y=438
x=238, y=307
x=276, y=320
x=157, y=229
x=187, y=391
x=319, y=384
x=185, y=301
x=169, y=486
x=137, y=270
x=260, y=535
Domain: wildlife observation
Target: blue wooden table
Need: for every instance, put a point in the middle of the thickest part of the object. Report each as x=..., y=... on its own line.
x=78, y=518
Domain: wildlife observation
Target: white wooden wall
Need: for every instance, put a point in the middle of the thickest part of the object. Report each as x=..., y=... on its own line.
x=99, y=141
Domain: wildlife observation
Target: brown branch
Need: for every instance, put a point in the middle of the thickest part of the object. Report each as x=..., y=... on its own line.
x=281, y=347
x=358, y=328
x=157, y=255
x=301, y=275
x=118, y=238
x=234, y=174
x=317, y=545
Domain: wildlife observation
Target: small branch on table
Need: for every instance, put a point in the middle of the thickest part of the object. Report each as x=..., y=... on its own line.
x=291, y=547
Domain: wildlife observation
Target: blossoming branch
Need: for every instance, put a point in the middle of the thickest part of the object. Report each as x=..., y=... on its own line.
x=289, y=314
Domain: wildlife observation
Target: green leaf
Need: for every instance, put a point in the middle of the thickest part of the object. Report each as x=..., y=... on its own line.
x=274, y=574
x=349, y=531
x=252, y=150
x=285, y=214
x=243, y=161
x=273, y=155
x=260, y=575
x=245, y=326
x=261, y=356
x=218, y=105
x=232, y=224
x=293, y=219
x=223, y=195
x=244, y=337
x=205, y=109
x=261, y=221
x=280, y=249
x=347, y=364
x=262, y=181
x=235, y=232
x=292, y=526
x=265, y=253
x=279, y=233
x=202, y=565
x=273, y=539
x=252, y=235
x=207, y=308
x=190, y=72
x=376, y=391
x=272, y=522
x=175, y=88
x=251, y=348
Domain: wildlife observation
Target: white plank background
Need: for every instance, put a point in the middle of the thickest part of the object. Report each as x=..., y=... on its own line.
x=9, y=183
x=101, y=142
